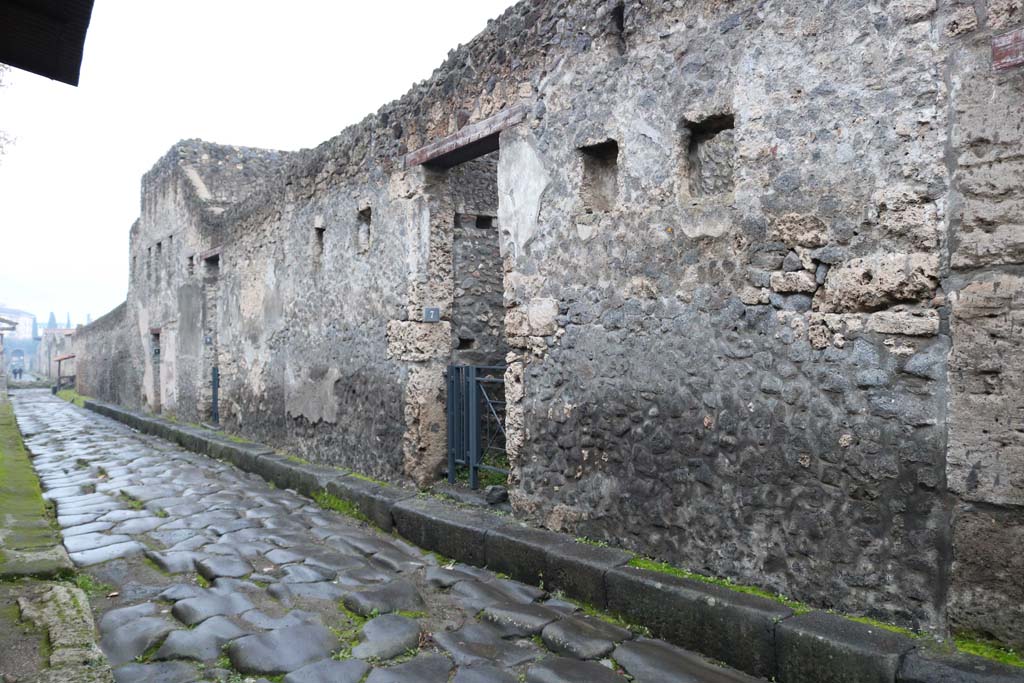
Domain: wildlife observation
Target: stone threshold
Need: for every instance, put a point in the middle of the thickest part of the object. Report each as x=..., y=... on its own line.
x=747, y=632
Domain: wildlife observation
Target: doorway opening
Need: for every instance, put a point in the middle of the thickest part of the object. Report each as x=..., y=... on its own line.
x=475, y=380
x=154, y=348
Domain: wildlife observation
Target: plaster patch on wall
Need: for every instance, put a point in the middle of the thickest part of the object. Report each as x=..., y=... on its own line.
x=522, y=181
x=312, y=398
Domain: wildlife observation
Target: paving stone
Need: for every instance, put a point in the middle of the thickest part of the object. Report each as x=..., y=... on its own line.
x=399, y=595
x=130, y=640
x=483, y=673
x=260, y=620
x=477, y=643
x=89, y=528
x=321, y=590
x=424, y=668
x=181, y=591
x=120, y=616
x=139, y=526
x=175, y=562
x=284, y=556
x=231, y=567
x=387, y=636
x=282, y=651
x=298, y=573
x=583, y=637
x=654, y=661
x=76, y=544
x=564, y=670
x=515, y=620
x=203, y=643
x=329, y=671
x=477, y=595
x=443, y=577
x=398, y=561
x=194, y=610
x=362, y=577
x=161, y=672
x=87, y=558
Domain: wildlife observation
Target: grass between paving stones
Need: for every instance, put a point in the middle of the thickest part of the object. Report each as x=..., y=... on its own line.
x=331, y=502
x=974, y=644
x=349, y=634
x=72, y=396
x=90, y=585
x=132, y=501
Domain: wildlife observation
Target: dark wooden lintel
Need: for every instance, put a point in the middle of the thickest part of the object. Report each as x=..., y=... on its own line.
x=470, y=142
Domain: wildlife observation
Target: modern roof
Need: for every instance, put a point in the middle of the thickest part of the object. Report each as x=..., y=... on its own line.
x=5, y=310
x=45, y=37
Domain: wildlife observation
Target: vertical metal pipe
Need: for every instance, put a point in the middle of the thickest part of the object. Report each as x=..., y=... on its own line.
x=214, y=403
x=450, y=406
x=472, y=394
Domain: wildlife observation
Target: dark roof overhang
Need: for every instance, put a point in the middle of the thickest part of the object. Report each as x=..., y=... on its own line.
x=45, y=37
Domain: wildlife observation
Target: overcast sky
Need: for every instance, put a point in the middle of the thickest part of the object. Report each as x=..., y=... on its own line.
x=243, y=72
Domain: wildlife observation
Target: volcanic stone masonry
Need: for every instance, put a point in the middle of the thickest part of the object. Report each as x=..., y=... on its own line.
x=756, y=270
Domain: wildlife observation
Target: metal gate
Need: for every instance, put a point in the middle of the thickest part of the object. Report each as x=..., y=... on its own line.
x=476, y=420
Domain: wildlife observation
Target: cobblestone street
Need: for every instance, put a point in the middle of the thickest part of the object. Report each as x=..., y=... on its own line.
x=216, y=576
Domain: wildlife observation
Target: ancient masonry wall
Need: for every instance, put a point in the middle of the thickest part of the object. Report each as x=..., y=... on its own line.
x=761, y=272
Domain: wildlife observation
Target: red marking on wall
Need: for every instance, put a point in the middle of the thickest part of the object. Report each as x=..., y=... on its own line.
x=1008, y=50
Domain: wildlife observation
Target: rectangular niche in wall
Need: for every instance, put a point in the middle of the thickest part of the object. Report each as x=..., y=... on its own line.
x=710, y=155
x=365, y=219
x=600, y=175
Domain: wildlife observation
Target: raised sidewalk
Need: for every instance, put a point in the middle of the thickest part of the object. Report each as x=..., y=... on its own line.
x=756, y=635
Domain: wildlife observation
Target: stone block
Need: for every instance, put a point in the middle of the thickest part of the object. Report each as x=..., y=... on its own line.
x=912, y=323
x=457, y=533
x=794, y=282
x=795, y=230
x=922, y=666
x=288, y=474
x=826, y=648
x=579, y=570
x=372, y=499
x=242, y=455
x=520, y=551
x=986, y=594
x=879, y=281
x=410, y=340
x=732, y=627
x=985, y=462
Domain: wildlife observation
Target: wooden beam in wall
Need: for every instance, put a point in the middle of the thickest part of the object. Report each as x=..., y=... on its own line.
x=469, y=142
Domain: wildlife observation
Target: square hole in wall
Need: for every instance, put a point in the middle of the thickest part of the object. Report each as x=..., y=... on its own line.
x=710, y=155
x=600, y=175
x=485, y=222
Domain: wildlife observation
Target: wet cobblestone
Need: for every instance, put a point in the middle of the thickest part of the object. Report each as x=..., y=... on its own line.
x=215, y=573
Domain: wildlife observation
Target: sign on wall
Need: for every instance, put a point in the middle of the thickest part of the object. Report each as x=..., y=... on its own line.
x=1008, y=50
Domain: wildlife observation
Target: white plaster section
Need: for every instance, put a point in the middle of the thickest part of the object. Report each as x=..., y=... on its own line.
x=522, y=181
x=313, y=400
x=197, y=182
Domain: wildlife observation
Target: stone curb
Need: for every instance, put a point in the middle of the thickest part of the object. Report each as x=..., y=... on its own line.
x=748, y=632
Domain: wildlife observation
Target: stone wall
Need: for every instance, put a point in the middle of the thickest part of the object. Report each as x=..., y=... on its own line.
x=478, y=312
x=105, y=364
x=759, y=269
x=985, y=285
